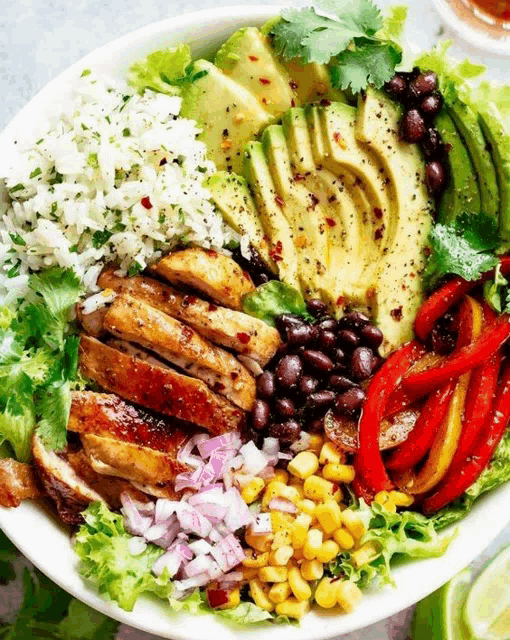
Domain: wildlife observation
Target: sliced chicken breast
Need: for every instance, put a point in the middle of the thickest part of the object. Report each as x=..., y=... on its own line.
x=133, y=443
x=92, y=322
x=17, y=483
x=135, y=321
x=157, y=388
x=213, y=273
x=229, y=328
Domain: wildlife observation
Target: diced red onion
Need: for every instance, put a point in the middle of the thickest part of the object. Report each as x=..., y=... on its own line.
x=236, y=463
x=184, y=454
x=271, y=448
x=137, y=545
x=156, y=531
x=254, y=459
x=192, y=521
x=170, y=560
x=233, y=576
x=189, y=480
x=267, y=473
x=165, y=511
x=229, y=440
x=135, y=523
x=213, y=512
x=192, y=583
x=261, y=524
x=170, y=535
x=238, y=512
x=282, y=504
x=302, y=444
x=199, y=547
x=211, y=494
x=228, y=553
x=215, y=535
x=200, y=564
x=285, y=456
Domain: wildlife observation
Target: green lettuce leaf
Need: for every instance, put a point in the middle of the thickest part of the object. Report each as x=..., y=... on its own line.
x=246, y=613
x=404, y=535
x=102, y=544
x=496, y=474
x=17, y=419
x=274, y=299
x=394, y=21
x=161, y=70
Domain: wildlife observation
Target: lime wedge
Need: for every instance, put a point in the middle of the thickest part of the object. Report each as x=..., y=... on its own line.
x=439, y=616
x=487, y=608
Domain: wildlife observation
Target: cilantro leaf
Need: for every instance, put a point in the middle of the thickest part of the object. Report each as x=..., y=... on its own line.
x=462, y=249
x=369, y=62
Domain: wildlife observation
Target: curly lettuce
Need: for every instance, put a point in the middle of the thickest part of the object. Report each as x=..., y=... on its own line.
x=161, y=71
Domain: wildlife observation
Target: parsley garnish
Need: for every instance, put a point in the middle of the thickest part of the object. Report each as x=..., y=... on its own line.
x=35, y=173
x=100, y=238
x=134, y=269
x=17, y=239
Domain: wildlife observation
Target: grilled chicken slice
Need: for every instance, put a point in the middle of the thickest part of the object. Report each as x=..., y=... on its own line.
x=213, y=273
x=232, y=329
x=133, y=443
x=17, y=483
x=157, y=388
x=92, y=322
x=132, y=320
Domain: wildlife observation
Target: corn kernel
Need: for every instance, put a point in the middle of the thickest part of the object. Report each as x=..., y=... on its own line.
x=293, y=608
x=249, y=573
x=353, y=523
x=260, y=594
x=348, y=595
x=281, y=539
x=313, y=544
x=279, y=592
x=312, y=570
x=259, y=541
x=328, y=551
x=318, y=489
x=300, y=587
x=279, y=557
x=300, y=530
x=274, y=489
x=330, y=454
x=251, y=491
x=339, y=472
x=316, y=443
x=329, y=515
x=281, y=521
x=338, y=495
x=384, y=499
x=234, y=598
x=307, y=506
x=401, y=499
x=364, y=554
x=254, y=560
x=280, y=475
x=273, y=574
x=304, y=465
x=326, y=593
x=298, y=486
x=343, y=538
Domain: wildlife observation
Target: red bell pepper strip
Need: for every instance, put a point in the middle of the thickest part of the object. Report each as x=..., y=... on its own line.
x=461, y=361
x=361, y=490
x=369, y=462
x=420, y=440
x=446, y=296
x=459, y=480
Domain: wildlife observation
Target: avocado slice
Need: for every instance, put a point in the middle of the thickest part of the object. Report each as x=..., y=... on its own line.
x=398, y=289
x=247, y=58
x=462, y=193
x=299, y=145
x=276, y=225
x=498, y=141
x=302, y=210
x=467, y=123
x=228, y=114
x=231, y=195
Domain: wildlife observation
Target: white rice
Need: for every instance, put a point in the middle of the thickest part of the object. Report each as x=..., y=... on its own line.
x=117, y=177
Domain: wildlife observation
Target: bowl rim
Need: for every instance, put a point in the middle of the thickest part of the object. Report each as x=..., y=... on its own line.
x=316, y=626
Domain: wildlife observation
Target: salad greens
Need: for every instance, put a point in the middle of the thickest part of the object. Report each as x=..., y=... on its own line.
x=38, y=363
x=161, y=70
x=274, y=299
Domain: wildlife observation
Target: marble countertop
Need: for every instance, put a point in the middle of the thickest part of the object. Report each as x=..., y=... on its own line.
x=41, y=38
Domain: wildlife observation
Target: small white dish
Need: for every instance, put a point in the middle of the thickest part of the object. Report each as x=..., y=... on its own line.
x=47, y=544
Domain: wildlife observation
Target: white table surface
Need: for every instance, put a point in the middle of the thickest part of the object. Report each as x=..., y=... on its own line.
x=41, y=38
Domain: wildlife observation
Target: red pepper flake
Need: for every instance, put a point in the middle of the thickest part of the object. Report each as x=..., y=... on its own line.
x=292, y=103
x=336, y=136
x=212, y=253
x=264, y=81
x=146, y=202
x=162, y=162
x=293, y=85
x=331, y=222
x=187, y=333
x=243, y=338
x=339, y=301
x=427, y=251
x=234, y=375
x=379, y=232
x=279, y=201
x=378, y=213
x=396, y=314
x=276, y=251
x=187, y=300
x=325, y=103
x=253, y=58
x=264, y=100
x=298, y=177
x=217, y=597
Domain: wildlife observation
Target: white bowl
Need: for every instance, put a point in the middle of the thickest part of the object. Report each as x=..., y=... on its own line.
x=47, y=544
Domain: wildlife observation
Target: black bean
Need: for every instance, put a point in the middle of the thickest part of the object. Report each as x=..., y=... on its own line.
x=308, y=385
x=316, y=307
x=412, y=126
x=423, y=84
x=327, y=324
x=286, y=432
x=435, y=176
x=350, y=402
x=260, y=414
x=348, y=339
x=285, y=407
x=376, y=362
x=320, y=399
x=432, y=104
x=372, y=336
x=265, y=385
x=288, y=371
x=362, y=363
x=397, y=86
x=316, y=425
x=354, y=320
x=318, y=360
x=432, y=144
x=287, y=320
x=340, y=383
x=327, y=340
x=300, y=334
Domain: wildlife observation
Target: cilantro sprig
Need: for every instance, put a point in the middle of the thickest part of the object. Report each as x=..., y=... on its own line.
x=348, y=34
